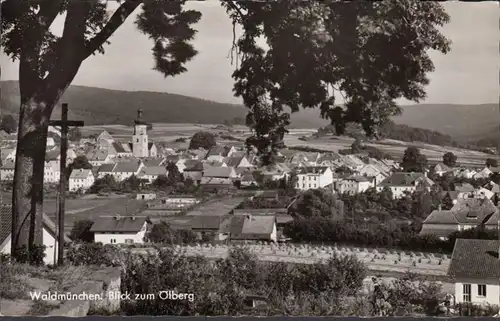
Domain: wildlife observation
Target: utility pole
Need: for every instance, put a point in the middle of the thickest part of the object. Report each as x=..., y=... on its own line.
x=64, y=123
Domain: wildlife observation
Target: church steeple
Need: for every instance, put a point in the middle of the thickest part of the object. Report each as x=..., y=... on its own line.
x=140, y=140
x=139, y=114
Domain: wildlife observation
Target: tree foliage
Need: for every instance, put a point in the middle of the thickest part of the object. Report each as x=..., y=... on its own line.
x=450, y=159
x=491, y=162
x=8, y=124
x=81, y=231
x=317, y=49
x=316, y=203
x=204, y=140
x=414, y=160
x=80, y=162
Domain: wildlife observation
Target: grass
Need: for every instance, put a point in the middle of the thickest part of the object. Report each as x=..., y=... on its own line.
x=13, y=285
x=41, y=308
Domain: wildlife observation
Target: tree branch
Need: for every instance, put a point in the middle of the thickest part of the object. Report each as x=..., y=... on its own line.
x=233, y=6
x=49, y=10
x=116, y=20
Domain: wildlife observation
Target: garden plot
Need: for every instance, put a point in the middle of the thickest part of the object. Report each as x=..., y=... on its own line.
x=393, y=261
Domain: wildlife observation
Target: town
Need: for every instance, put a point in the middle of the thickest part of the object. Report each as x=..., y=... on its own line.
x=239, y=158
x=394, y=215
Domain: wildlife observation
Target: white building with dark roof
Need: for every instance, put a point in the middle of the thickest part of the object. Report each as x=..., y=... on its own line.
x=312, y=177
x=475, y=270
x=151, y=173
x=120, y=229
x=80, y=180
x=140, y=145
x=122, y=171
x=7, y=171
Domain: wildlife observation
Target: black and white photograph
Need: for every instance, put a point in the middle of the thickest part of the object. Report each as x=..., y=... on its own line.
x=249, y=158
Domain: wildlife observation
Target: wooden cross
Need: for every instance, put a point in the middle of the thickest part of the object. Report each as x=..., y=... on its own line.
x=64, y=123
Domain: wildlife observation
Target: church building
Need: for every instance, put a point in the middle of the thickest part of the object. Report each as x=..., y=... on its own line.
x=141, y=147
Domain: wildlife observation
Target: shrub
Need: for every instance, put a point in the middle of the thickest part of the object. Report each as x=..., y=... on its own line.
x=33, y=257
x=93, y=254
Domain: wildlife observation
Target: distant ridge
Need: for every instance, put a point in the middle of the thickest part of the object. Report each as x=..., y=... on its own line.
x=98, y=106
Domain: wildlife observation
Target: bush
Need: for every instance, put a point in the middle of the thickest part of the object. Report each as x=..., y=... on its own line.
x=34, y=257
x=93, y=254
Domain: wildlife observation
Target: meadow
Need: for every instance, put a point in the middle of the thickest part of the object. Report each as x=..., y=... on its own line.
x=169, y=133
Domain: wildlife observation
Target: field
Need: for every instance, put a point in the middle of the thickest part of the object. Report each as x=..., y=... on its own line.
x=168, y=133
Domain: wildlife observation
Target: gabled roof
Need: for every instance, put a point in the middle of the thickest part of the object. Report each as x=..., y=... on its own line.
x=98, y=155
x=402, y=179
x=6, y=224
x=193, y=165
x=441, y=217
x=442, y=168
x=468, y=210
x=476, y=259
x=130, y=224
x=312, y=170
x=128, y=167
x=211, y=222
x=248, y=177
x=250, y=226
x=233, y=161
x=218, y=150
x=154, y=170
x=153, y=162
x=105, y=136
x=106, y=168
x=120, y=148
x=219, y=172
x=9, y=166
x=464, y=188
x=80, y=173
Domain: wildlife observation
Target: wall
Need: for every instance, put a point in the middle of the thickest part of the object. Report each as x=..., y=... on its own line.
x=120, y=238
x=492, y=291
x=48, y=241
x=102, y=282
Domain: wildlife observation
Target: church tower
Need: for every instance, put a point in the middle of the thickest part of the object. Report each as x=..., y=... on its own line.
x=140, y=138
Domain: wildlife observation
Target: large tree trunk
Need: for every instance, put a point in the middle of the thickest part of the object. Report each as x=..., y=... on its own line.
x=27, y=198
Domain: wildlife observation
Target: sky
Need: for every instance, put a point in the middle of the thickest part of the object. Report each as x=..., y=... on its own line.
x=469, y=74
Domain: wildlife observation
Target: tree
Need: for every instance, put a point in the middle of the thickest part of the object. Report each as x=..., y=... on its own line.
x=356, y=147
x=48, y=64
x=449, y=159
x=80, y=162
x=173, y=174
x=81, y=231
x=413, y=160
x=321, y=48
x=8, y=124
x=491, y=162
x=204, y=140
x=317, y=203
x=105, y=184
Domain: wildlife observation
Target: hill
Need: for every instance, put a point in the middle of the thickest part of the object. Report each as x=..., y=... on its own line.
x=463, y=122
x=97, y=106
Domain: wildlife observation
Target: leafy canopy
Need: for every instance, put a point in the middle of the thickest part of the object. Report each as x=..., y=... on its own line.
x=370, y=53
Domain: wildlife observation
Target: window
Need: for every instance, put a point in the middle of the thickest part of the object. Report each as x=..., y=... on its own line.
x=466, y=292
x=481, y=290
x=137, y=140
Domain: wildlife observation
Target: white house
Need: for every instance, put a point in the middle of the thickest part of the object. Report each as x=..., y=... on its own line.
x=475, y=270
x=248, y=228
x=462, y=172
x=49, y=236
x=218, y=153
x=99, y=157
x=440, y=169
x=8, y=154
x=354, y=184
x=7, y=171
x=122, y=171
x=80, y=179
x=371, y=170
x=312, y=177
x=120, y=229
x=152, y=172
x=401, y=183
x=105, y=169
x=51, y=174
x=485, y=173
x=238, y=162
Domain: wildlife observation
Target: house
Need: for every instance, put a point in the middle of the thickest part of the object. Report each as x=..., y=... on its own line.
x=247, y=179
x=178, y=160
x=237, y=162
x=180, y=199
x=124, y=170
x=475, y=270
x=218, y=153
x=193, y=171
x=105, y=136
x=99, y=156
x=401, y=183
x=122, y=150
x=152, y=172
x=354, y=184
x=159, y=161
x=466, y=213
x=485, y=173
x=7, y=154
x=440, y=169
x=51, y=174
x=105, y=169
x=49, y=234
x=205, y=223
x=275, y=172
x=7, y=171
x=371, y=170
x=218, y=178
x=462, y=172
x=248, y=228
x=313, y=177
x=145, y=196
x=80, y=179
x=120, y=229
x=220, y=172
